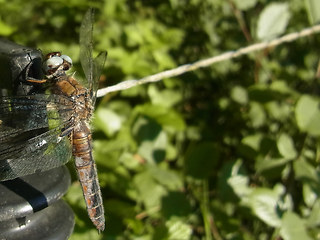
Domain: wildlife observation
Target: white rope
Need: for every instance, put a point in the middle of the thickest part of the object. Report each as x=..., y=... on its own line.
x=209, y=61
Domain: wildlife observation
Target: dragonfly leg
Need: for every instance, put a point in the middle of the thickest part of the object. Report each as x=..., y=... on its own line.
x=66, y=131
x=31, y=79
x=68, y=128
x=34, y=80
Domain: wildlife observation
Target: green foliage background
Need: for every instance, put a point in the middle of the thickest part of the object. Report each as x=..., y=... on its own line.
x=226, y=152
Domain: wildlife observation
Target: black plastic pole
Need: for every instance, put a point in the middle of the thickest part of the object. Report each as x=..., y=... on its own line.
x=30, y=206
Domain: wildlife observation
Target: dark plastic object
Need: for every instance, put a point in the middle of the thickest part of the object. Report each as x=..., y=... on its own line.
x=15, y=61
x=30, y=206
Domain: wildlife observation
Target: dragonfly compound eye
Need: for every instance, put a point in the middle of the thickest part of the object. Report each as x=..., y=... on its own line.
x=51, y=64
x=67, y=61
x=53, y=54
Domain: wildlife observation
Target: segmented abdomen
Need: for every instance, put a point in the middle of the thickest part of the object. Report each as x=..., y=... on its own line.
x=87, y=172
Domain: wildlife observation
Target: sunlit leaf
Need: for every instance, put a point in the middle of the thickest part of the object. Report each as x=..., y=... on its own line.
x=167, y=178
x=286, y=146
x=293, y=227
x=257, y=114
x=279, y=110
x=271, y=164
x=5, y=29
x=313, y=10
x=167, y=117
x=253, y=141
x=150, y=193
x=167, y=98
x=151, y=138
x=178, y=230
x=264, y=204
x=245, y=4
x=239, y=95
x=308, y=114
x=239, y=181
x=309, y=194
x=314, y=217
x=304, y=170
x=108, y=121
x=273, y=21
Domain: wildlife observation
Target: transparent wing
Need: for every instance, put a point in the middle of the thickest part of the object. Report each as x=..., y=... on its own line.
x=86, y=44
x=98, y=65
x=29, y=134
x=28, y=156
x=21, y=114
x=92, y=68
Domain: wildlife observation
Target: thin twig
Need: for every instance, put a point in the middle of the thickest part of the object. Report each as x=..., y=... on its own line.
x=209, y=61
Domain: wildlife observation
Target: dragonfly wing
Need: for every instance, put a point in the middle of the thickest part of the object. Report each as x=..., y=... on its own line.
x=86, y=43
x=30, y=128
x=40, y=153
x=21, y=114
x=98, y=65
x=92, y=68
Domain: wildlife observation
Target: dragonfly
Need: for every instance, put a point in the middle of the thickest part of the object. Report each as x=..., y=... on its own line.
x=41, y=131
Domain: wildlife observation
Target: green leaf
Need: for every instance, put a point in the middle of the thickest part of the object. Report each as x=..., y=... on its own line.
x=264, y=204
x=201, y=160
x=150, y=192
x=160, y=232
x=309, y=194
x=178, y=230
x=225, y=188
x=166, y=117
x=264, y=93
x=5, y=29
x=128, y=160
x=239, y=181
x=308, y=114
x=145, y=128
x=80, y=234
x=293, y=227
x=265, y=164
x=253, y=141
x=108, y=150
x=175, y=204
x=239, y=95
x=286, y=146
x=163, y=59
x=108, y=121
x=154, y=151
x=257, y=114
x=282, y=87
x=279, y=110
x=273, y=21
x=120, y=208
x=245, y=4
x=151, y=139
x=167, y=97
x=314, y=217
x=313, y=10
x=166, y=177
x=305, y=171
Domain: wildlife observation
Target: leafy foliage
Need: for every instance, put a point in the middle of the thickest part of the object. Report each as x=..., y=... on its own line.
x=226, y=152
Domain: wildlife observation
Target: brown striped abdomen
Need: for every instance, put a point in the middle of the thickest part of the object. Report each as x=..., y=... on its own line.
x=87, y=172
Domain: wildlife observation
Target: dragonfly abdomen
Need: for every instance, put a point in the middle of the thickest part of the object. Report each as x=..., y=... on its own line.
x=87, y=172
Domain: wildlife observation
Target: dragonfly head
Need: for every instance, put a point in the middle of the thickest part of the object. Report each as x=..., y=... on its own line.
x=54, y=61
